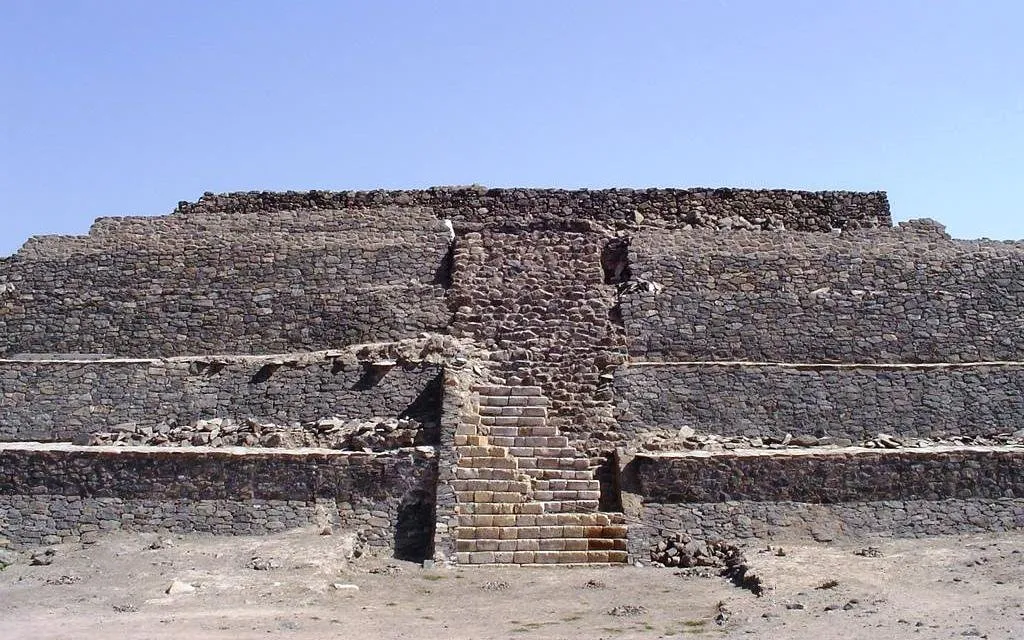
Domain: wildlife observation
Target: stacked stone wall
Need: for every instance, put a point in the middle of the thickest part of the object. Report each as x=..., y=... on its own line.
x=853, y=402
x=853, y=492
x=64, y=493
x=904, y=295
x=184, y=289
x=537, y=301
x=55, y=400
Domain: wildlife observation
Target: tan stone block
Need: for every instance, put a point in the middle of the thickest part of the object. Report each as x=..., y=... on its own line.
x=481, y=557
x=523, y=520
x=465, y=533
x=508, y=533
x=552, y=544
x=508, y=520
x=521, y=486
x=575, y=544
x=546, y=557
x=486, y=545
x=597, y=556
x=487, y=532
x=507, y=497
x=531, y=544
x=548, y=519
x=617, y=556
x=465, y=545
x=461, y=440
x=507, y=545
x=531, y=508
x=527, y=463
x=600, y=544
x=573, y=557
x=483, y=496
x=462, y=557
x=524, y=557
x=615, y=531
x=504, y=557
x=477, y=441
x=529, y=532
x=550, y=532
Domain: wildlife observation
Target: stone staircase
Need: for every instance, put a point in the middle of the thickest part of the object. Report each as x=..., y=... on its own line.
x=523, y=496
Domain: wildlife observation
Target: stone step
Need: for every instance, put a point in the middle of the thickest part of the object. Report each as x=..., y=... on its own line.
x=488, y=462
x=541, y=544
x=501, y=390
x=579, y=532
x=521, y=431
x=490, y=497
x=568, y=506
x=547, y=519
x=551, y=474
x=550, y=496
x=527, y=508
x=463, y=440
x=537, y=452
x=488, y=484
x=541, y=557
x=513, y=401
x=576, y=464
x=486, y=451
x=529, y=415
x=568, y=485
x=475, y=473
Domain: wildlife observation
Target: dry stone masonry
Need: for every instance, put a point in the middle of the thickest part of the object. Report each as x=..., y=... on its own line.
x=513, y=376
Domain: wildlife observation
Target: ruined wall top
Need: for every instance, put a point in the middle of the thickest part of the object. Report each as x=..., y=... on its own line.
x=540, y=208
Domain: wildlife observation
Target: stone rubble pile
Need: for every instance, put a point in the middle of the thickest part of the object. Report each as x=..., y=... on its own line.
x=687, y=439
x=684, y=551
x=374, y=434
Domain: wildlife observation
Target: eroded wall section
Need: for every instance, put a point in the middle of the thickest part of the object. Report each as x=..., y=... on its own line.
x=61, y=493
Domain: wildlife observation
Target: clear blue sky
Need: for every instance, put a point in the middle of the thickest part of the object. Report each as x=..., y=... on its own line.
x=115, y=107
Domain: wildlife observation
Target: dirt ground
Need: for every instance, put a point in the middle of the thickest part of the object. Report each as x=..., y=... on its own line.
x=302, y=588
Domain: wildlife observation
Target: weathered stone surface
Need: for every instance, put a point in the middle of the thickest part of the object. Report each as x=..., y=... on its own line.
x=856, y=403
x=57, y=400
x=881, y=295
x=64, y=492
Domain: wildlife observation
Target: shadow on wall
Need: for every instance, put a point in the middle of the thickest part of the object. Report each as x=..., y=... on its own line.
x=414, y=530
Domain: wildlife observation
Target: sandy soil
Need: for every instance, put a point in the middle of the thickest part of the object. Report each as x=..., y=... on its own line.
x=936, y=588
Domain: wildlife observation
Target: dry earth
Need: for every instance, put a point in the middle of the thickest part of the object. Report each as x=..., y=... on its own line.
x=951, y=587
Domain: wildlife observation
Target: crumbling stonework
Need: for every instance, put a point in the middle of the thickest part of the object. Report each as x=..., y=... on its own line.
x=522, y=335
x=57, y=400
